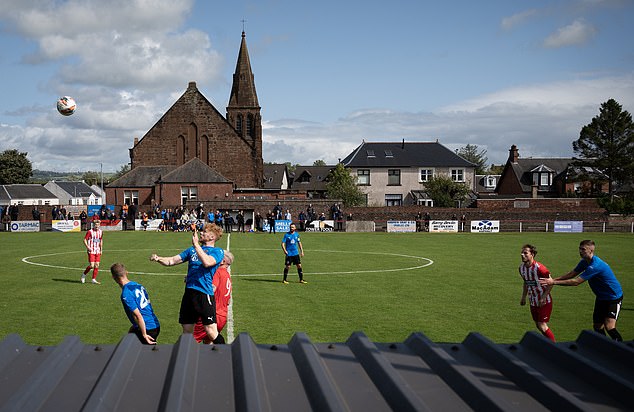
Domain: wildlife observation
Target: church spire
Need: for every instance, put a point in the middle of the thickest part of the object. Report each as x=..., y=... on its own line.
x=243, y=93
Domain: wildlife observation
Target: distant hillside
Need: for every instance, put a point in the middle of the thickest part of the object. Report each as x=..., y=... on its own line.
x=44, y=176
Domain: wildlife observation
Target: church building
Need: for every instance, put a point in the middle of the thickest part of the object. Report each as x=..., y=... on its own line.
x=193, y=152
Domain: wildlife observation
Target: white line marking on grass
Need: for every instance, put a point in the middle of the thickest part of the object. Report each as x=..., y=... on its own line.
x=229, y=325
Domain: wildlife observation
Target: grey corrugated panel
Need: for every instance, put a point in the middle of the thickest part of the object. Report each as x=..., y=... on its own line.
x=458, y=376
x=393, y=387
x=532, y=381
x=619, y=357
x=359, y=374
x=41, y=384
x=588, y=369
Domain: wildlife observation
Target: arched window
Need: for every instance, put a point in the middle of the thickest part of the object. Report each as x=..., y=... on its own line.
x=250, y=125
x=239, y=124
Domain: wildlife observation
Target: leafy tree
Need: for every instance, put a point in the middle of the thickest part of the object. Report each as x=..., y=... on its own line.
x=470, y=152
x=14, y=167
x=91, y=178
x=319, y=162
x=445, y=192
x=342, y=185
x=607, y=143
x=122, y=170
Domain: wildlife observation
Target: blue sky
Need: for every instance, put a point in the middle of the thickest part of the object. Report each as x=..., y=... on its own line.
x=328, y=74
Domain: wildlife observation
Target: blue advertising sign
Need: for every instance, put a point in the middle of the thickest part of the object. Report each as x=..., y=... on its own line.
x=572, y=226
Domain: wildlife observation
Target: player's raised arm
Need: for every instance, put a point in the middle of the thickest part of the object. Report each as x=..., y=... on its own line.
x=166, y=261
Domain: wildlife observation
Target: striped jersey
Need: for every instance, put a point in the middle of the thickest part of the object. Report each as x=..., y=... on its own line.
x=531, y=276
x=93, y=238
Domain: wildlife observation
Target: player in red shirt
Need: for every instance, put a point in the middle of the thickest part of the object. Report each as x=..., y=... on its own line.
x=94, y=245
x=222, y=293
x=541, y=302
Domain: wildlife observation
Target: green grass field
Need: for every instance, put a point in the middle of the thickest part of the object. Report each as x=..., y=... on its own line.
x=386, y=285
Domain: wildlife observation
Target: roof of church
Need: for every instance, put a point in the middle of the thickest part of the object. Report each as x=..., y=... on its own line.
x=194, y=171
x=243, y=90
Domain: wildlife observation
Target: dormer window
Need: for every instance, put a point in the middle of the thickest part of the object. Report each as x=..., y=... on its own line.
x=388, y=153
x=370, y=153
x=490, y=181
x=543, y=176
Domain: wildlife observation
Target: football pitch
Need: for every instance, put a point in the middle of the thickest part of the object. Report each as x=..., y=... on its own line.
x=387, y=285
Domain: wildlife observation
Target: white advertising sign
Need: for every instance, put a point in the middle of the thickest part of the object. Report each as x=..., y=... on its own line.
x=66, y=226
x=436, y=226
x=401, y=226
x=485, y=226
x=25, y=226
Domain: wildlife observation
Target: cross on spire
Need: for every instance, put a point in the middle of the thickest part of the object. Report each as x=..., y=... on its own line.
x=243, y=24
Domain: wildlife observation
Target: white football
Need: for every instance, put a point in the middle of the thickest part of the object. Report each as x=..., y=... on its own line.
x=66, y=105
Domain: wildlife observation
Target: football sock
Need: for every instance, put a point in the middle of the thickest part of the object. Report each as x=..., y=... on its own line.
x=94, y=273
x=614, y=334
x=549, y=334
x=285, y=273
x=87, y=269
x=219, y=340
x=300, y=273
x=600, y=331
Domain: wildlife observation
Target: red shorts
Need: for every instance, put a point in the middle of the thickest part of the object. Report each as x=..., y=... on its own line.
x=200, y=334
x=542, y=313
x=94, y=258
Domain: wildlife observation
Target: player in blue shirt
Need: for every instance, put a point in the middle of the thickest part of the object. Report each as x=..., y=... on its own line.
x=136, y=303
x=292, y=247
x=198, y=300
x=602, y=281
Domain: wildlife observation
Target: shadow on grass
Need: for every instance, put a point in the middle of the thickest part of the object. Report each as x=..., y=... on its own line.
x=260, y=280
x=67, y=280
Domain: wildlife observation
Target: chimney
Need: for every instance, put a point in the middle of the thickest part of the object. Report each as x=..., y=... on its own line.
x=514, y=154
x=403, y=144
x=136, y=141
x=534, y=191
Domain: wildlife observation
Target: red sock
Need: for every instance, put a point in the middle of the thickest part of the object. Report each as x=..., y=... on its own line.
x=87, y=269
x=94, y=276
x=549, y=334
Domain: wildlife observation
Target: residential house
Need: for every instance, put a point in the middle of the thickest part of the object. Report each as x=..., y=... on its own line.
x=547, y=177
x=486, y=184
x=26, y=194
x=276, y=177
x=311, y=180
x=73, y=193
x=394, y=173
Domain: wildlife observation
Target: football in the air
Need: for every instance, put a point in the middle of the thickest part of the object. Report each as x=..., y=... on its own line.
x=66, y=105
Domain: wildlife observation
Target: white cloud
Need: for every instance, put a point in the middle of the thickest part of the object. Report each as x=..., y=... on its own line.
x=577, y=33
x=515, y=20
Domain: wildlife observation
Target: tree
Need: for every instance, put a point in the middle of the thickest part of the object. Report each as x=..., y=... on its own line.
x=14, y=167
x=319, y=162
x=607, y=144
x=342, y=185
x=470, y=152
x=445, y=192
x=122, y=170
x=91, y=178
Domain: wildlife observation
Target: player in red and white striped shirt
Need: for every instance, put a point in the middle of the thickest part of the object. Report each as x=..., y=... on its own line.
x=94, y=245
x=541, y=302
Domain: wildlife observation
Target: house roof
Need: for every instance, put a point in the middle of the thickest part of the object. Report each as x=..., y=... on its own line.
x=524, y=168
x=274, y=175
x=75, y=189
x=25, y=191
x=404, y=154
x=591, y=373
x=312, y=178
x=194, y=171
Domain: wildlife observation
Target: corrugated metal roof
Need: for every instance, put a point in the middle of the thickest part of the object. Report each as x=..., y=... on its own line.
x=591, y=373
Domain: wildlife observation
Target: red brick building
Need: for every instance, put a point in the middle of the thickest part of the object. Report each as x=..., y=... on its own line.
x=193, y=152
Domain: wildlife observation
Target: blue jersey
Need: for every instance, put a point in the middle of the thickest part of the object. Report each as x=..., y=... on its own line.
x=134, y=296
x=198, y=276
x=600, y=278
x=291, y=240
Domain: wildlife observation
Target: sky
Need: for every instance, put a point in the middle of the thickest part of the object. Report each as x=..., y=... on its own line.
x=328, y=74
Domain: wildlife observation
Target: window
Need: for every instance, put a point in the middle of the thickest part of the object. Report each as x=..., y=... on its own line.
x=363, y=177
x=457, y=175
x=250, y=125
x=131, y=197
x=393, y=200
x=426, y=175
x=239, y=124
x=370, y=153
x=393, y=177
x=188, y=193
x=388, y=153
x=541, y=179
x=490, y=181
x=425, y=202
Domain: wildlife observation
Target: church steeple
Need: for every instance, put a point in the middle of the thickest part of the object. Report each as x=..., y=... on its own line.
x=243, y=90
